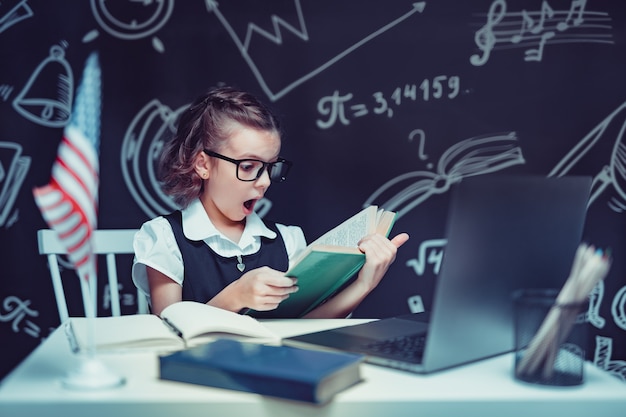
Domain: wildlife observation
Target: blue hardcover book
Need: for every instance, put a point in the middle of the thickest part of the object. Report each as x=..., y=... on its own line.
x=280, y=371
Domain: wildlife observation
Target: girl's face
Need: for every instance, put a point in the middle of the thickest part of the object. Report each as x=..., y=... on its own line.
x=227, y=199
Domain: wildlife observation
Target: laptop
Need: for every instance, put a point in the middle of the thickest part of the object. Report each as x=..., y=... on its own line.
x=503, y=233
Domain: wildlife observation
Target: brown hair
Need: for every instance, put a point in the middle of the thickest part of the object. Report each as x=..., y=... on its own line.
x=206, y=124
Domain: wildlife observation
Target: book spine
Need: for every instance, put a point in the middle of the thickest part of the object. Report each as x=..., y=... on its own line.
x=219, y=378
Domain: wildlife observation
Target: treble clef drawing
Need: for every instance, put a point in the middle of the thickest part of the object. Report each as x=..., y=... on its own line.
x=485, y=38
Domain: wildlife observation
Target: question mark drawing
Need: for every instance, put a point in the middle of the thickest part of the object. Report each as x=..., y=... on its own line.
x=422, y=142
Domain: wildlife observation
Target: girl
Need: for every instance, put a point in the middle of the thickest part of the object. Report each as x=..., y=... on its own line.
x=216, y=249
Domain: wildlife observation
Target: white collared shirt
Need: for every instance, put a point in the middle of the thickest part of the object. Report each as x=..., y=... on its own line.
x=155, y=245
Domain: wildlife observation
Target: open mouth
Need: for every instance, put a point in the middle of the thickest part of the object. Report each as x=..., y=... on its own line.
x=249, y=205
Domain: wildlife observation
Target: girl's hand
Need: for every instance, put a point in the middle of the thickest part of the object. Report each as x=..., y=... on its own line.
x=260, y=289
x=380, y=253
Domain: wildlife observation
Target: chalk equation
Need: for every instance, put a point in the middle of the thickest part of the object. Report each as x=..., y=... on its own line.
x=603, y=358
x=534, y=30
x=430, y=252
x=127, y=299
x=618, y=307
x=18, y=313
x=341, y=108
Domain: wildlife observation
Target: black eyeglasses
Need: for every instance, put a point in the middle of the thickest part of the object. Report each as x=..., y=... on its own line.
x=252, y=169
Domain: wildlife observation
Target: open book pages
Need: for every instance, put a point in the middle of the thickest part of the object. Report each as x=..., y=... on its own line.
x=384, y=221
x=192, y=320
x=345, y=236
x=181, y=325
x=349, y=232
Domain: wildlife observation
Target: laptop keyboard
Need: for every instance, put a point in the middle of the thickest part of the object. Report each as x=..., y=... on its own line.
x=407, y=347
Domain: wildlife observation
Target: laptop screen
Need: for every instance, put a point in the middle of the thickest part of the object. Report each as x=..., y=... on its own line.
x=504, y=233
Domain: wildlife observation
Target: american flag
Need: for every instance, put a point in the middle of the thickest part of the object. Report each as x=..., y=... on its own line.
x=69, y=203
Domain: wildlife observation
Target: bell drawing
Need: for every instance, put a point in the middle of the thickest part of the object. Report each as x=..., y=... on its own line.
x=46, y=99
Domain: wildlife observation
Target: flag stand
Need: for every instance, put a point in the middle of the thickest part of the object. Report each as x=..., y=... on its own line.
x=69, y=205
x=91, y=373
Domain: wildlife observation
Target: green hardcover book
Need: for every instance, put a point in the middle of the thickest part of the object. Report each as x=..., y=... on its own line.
x=329, y=263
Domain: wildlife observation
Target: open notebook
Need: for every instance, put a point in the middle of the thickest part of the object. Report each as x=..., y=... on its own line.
x=504, y=233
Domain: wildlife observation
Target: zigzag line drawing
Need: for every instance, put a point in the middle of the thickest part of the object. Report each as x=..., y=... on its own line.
x=277, y=22
x=277, y=38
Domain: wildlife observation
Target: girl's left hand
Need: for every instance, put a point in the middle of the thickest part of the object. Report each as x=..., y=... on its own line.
x=380, y=253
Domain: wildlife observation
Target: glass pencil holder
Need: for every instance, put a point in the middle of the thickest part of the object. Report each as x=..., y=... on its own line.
x=550, y=338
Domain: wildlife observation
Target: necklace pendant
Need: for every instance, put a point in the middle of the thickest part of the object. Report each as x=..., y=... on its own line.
x=240, y=265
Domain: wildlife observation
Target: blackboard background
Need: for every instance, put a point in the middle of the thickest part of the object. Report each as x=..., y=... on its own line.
x=361, y=53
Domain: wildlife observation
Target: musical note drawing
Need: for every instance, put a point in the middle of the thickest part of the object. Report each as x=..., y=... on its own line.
x=535, y=54
x=17, y=12
x=300, y=32
x=613, y=173
x=473, y=156
x=578, y=6
x=546, y=11
x=527, y=24
x=539, y=28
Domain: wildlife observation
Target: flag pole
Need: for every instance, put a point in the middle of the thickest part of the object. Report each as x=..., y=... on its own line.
x=91, y=373
x=69, y=205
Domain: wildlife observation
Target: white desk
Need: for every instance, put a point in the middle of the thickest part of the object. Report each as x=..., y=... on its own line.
x=481, y=389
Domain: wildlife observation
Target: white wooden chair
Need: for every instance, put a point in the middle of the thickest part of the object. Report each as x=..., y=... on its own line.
x=106, y=242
